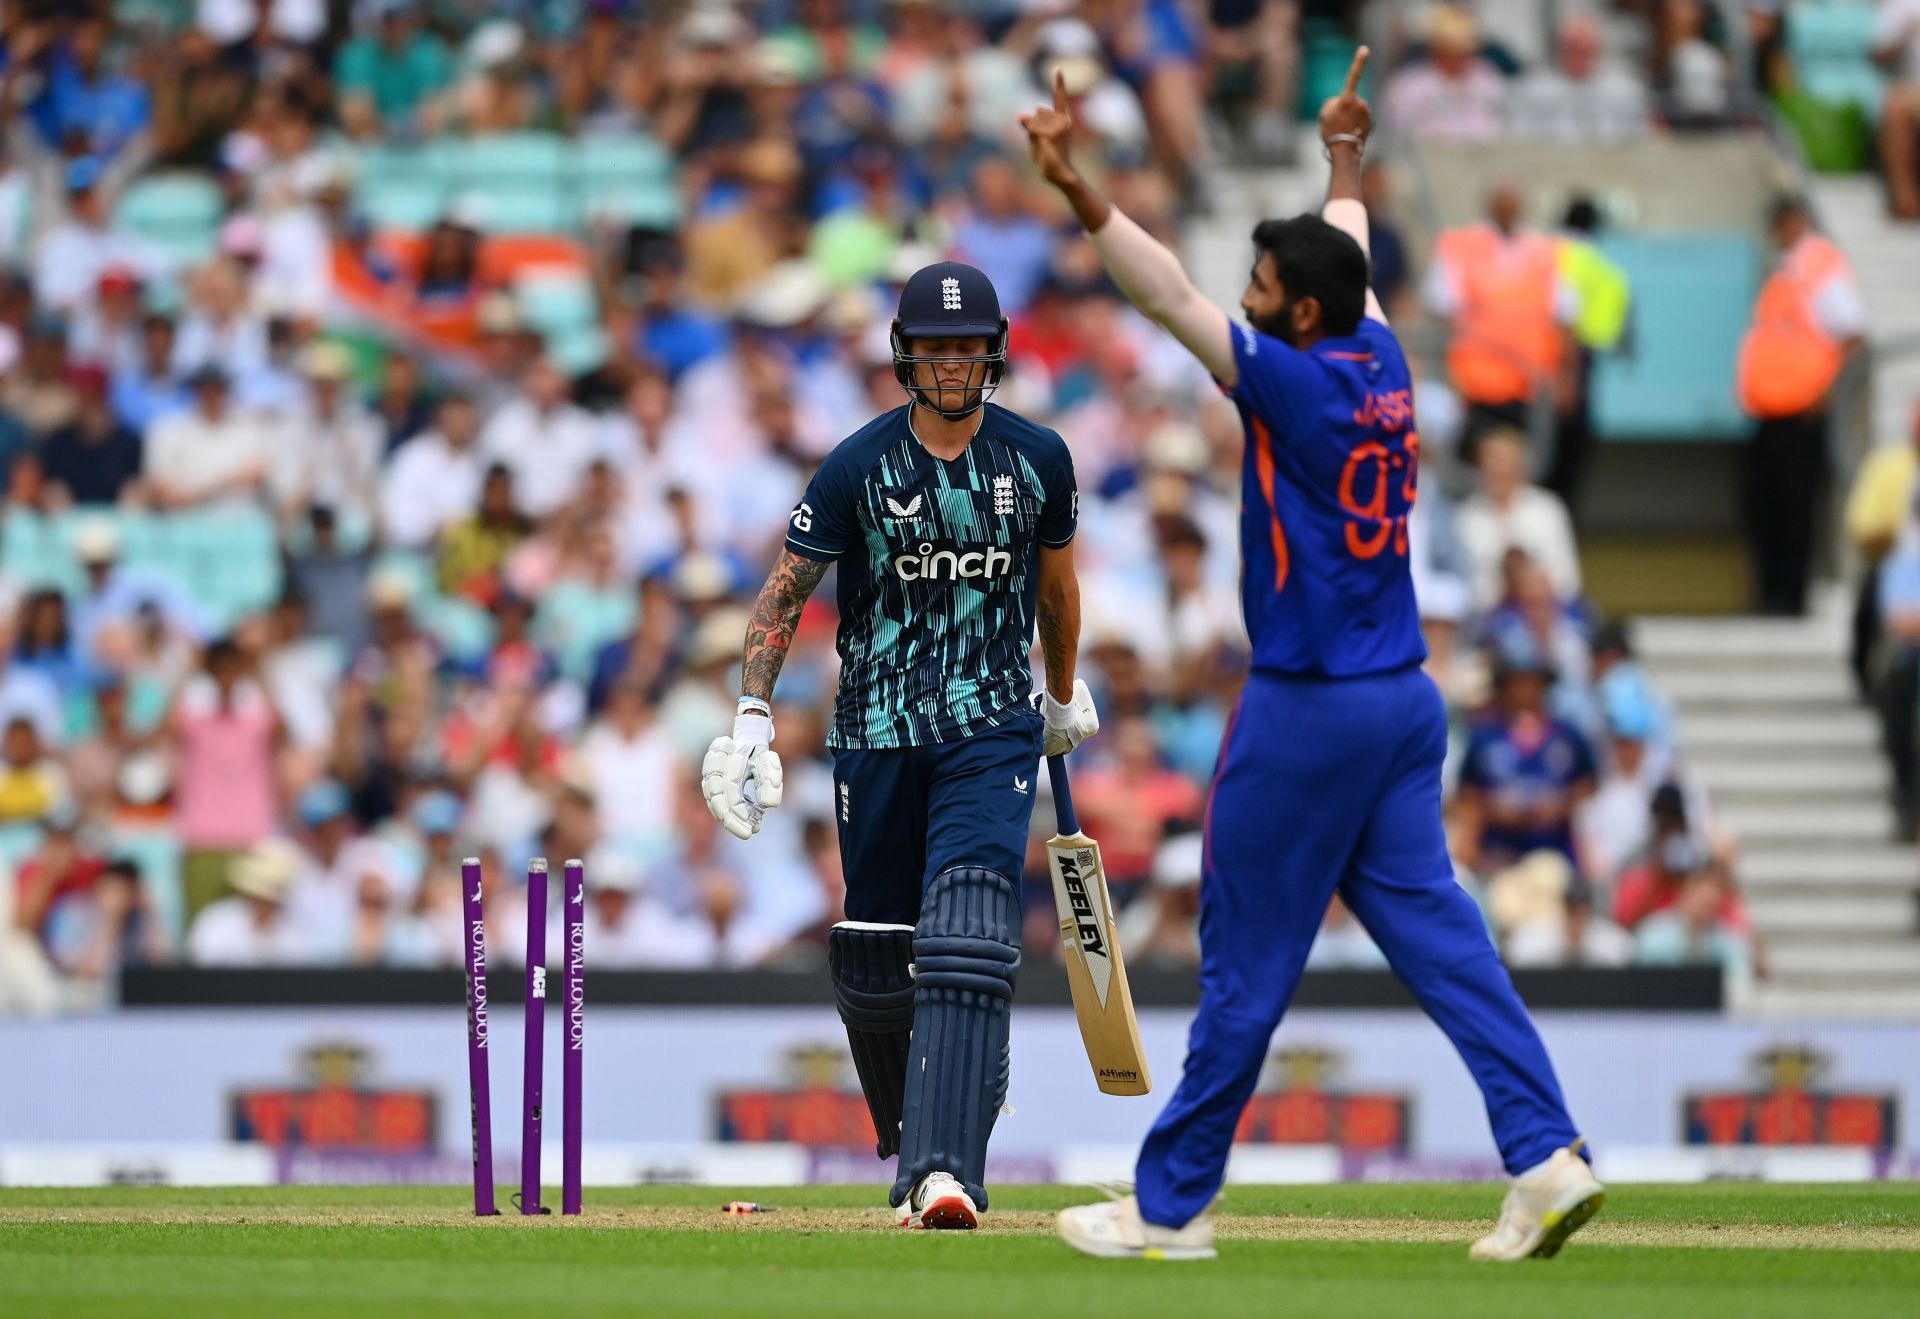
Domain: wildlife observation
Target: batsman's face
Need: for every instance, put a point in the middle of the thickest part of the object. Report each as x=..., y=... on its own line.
x=946, y=380
x=1268, y=309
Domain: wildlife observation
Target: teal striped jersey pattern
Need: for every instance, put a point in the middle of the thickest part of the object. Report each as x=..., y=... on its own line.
x=938, y=571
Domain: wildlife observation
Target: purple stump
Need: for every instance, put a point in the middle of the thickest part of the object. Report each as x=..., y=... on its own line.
x=574, y=988
x=535, y=1042
x=479, y=1085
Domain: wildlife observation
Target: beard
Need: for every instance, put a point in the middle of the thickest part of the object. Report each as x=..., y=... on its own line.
x=1279, y=325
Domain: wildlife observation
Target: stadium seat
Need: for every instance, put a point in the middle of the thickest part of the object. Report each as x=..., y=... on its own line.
x=1830, y=46
x=178, y=213
x=524, y=210
x=463, y=629
x=641, y=203
x=557, y=303
x=627, y=158
x=403, y=203
x=510, y=161
x=581, y=349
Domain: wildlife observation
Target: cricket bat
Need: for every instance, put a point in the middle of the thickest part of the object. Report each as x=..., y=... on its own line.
x=1095, y=970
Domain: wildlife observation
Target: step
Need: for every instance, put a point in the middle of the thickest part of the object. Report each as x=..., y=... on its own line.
x=1897, y=959
x=1789, y=998
x=1735, y=639
x=1849, y=823
x=1888, y=869
x=1862, y=776
x=1800, y=685
x=1830, y=915
x=1831, y=730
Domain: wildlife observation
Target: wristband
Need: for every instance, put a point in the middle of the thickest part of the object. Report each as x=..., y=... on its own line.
x=1326, y=144
x=754, y=705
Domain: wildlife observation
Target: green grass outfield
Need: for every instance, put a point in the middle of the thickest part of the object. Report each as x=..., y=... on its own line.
x=1697, y=1251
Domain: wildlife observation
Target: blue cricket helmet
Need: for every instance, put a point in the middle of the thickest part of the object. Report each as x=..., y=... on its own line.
x=949, y=300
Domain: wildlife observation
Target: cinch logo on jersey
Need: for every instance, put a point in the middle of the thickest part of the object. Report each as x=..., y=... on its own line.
x=951, y=565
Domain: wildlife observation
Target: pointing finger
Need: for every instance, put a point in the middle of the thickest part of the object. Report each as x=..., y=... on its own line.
x=1354, y=70
x=1060, y=91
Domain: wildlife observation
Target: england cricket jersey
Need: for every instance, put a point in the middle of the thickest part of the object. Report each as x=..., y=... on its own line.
x=1331, y=462
x=938, y=571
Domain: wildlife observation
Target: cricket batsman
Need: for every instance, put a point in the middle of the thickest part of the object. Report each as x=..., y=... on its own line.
x=952, y=521
x=1329, y=778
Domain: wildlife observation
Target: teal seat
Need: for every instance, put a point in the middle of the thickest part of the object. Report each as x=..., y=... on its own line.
x=179, y=213
x=406, y=204
x=36, y=552
x=1830, y=46
x=623, y=158
x=17, y=841
x=1691, y=297
x=511, y=161
x=579, y=350
x=641, y=203
x=557, y=304
x=415, y=570
x=525, y=209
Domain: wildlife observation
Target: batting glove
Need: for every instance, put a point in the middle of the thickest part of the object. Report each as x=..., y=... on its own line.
x=1070, y=724
x=741, y=777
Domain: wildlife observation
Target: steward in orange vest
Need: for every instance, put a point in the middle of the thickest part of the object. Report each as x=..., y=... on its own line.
x=1500, y=287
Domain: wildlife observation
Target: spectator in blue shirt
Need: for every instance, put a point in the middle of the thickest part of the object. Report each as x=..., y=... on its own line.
x=1000, y=236
x=153, y=390
x=83, y=102
x=1524, y=771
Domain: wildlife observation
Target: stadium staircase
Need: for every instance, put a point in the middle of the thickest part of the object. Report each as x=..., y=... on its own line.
x=1791, y=762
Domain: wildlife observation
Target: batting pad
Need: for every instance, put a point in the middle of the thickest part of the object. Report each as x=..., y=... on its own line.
x=966, y=955
x=872, y=968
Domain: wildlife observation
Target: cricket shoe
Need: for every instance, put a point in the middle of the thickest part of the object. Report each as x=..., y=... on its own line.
x=1544, y=1206
x=938, y=1202
x=1115, y=1230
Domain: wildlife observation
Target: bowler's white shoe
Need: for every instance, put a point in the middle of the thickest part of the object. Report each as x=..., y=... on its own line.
x=939, y=1202
x=1544, y=1206
x=1115, y=1230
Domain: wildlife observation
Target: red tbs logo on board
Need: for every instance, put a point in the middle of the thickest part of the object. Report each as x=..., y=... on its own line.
x=1788, y=1105
x=820, y=1106
x=1299, y=1103
x=331, y=1107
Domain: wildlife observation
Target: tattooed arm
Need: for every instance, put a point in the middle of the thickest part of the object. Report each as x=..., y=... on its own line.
x=775, y=615
x=1059, y=617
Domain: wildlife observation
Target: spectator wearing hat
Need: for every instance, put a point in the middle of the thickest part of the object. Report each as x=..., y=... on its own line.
x=391, y=79
x=105, y=332
x=151, y=388
x=331, y=445
x=430, y=931
x=96, y=458
x=433, y=481
x=113, y=594
x=225, y=731
x=212, y=454
x=254, y=927
x=1453, y=94
x=1524, y=772
x=1508, y=512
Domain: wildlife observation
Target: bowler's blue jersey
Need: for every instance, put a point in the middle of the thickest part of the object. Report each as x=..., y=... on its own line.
x=939, y=568
x=1331, y=462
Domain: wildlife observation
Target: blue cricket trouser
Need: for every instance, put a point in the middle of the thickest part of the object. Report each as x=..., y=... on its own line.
x=907, y=813
x=1325, y=785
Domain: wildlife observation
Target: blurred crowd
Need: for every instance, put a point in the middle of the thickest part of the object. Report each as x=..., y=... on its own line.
x=479, y=506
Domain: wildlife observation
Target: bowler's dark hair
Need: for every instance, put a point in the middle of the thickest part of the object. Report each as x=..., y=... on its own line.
x=1316, y=260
